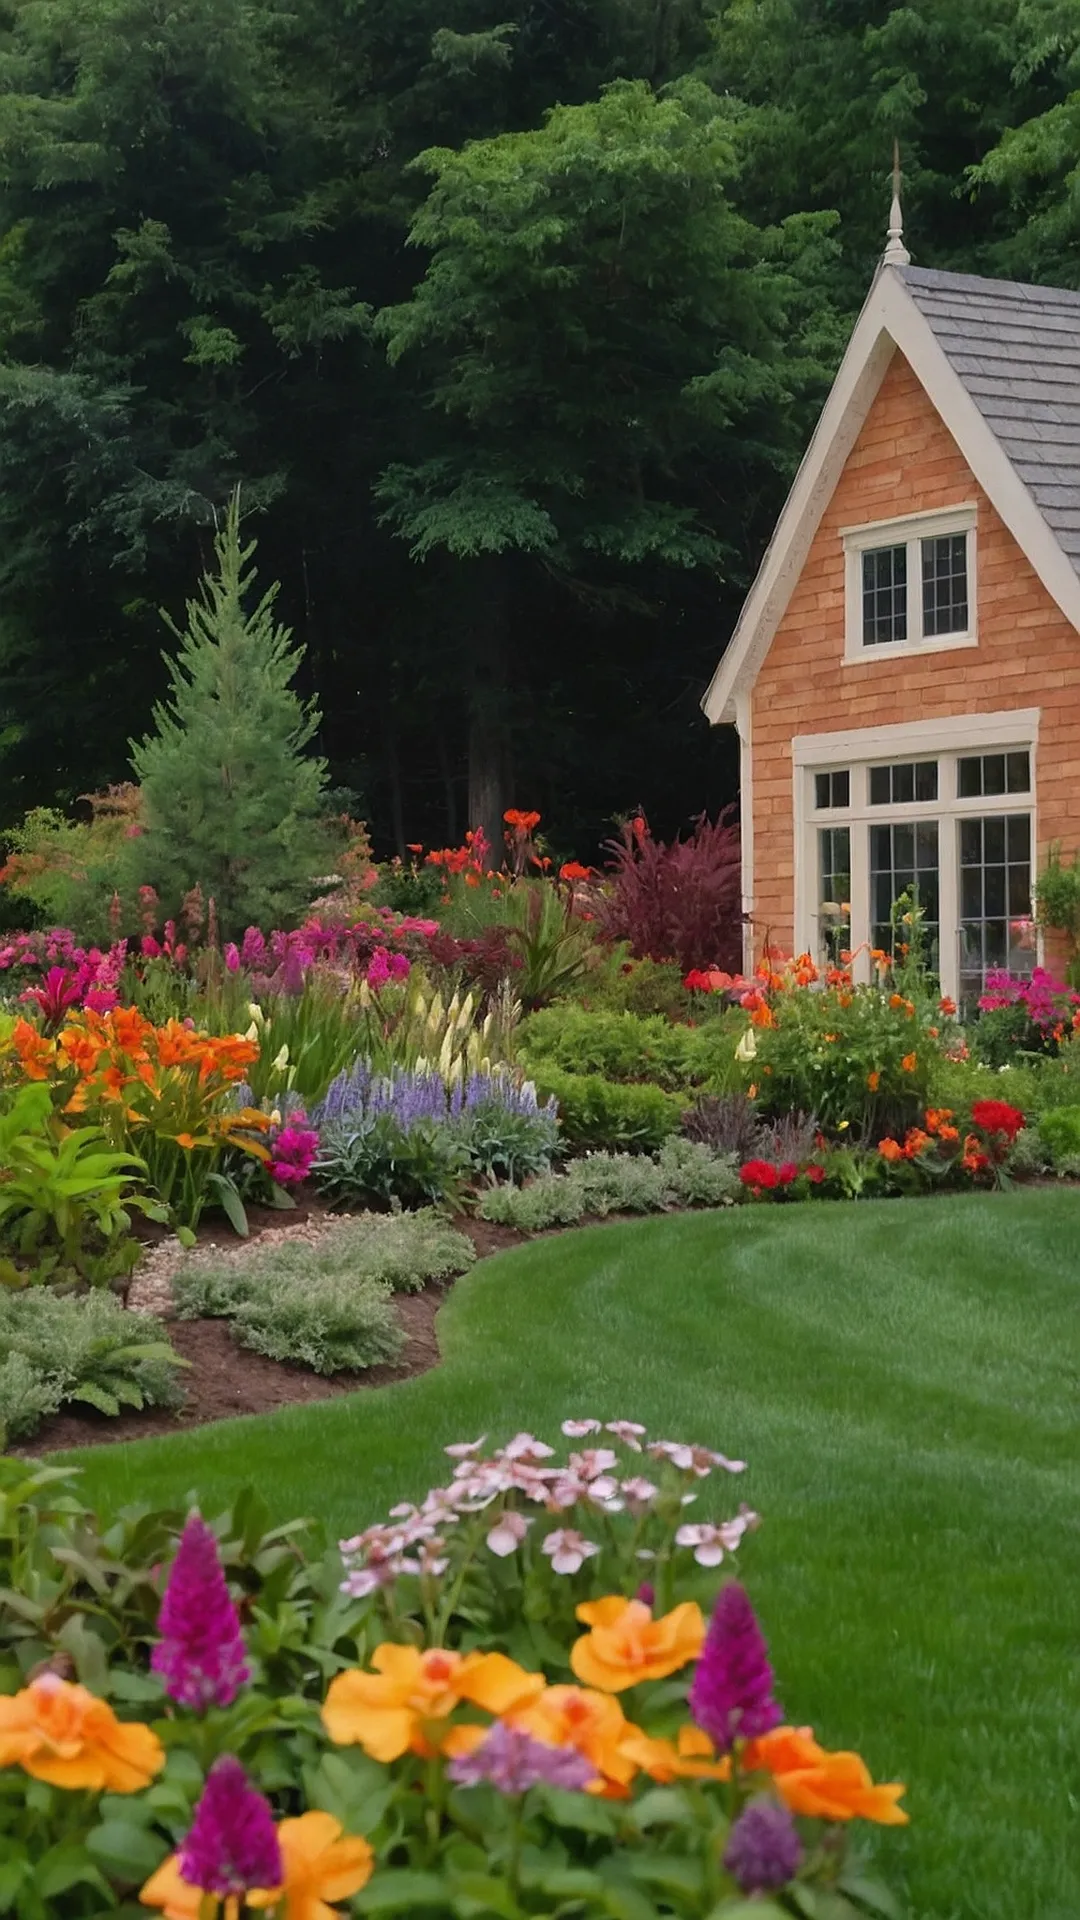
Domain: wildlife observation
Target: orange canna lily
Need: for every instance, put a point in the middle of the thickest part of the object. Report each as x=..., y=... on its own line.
x=405, y=1704
x=61, y=1733
x=322, y=1863
x=691, y=1756
x=823, y=1785
x=627, y=1645
x=594, y=1724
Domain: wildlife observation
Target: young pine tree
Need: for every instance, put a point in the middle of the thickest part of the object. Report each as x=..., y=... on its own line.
x=231, y=800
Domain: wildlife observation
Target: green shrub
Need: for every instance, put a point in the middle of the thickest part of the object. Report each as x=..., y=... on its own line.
x=598, y=1113
x=619, y=1046
x=615, y=983
x=83, y=1348
x=1059, y=1132
x=957, y=1083
x=684, y=1172
x=372, y=1157
x=338, y=1324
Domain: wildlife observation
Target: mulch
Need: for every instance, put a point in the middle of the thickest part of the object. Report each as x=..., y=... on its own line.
x=226, y=1380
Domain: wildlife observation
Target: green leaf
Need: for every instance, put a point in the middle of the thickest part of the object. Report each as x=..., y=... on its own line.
x=476, y=1893
x=578, y=1810
x=127, y=1852
x=396, y=1889
x=95, y=1396
x=231, y=1203
x=869, y=1894
x=67, y=1866
x=662, y=1807
x=676, y=1873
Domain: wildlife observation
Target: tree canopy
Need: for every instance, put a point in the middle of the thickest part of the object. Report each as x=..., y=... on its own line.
x=512, y=320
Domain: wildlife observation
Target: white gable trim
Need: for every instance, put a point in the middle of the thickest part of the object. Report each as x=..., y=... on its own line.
x=889, y=320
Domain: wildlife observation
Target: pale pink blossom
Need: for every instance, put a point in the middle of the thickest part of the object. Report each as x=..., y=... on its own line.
x=564, y=1492
x=628, y=1431
x=462, y=1449
x=698, y=1460
x=639, y=1493
x=568, y=1550
x=604, y=1493
x=525, y=1446
x=577, y=1429
x=593, y=1462
x=711, y=1543
x=508, y=1533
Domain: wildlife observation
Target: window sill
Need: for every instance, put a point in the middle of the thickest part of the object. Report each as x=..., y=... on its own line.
x=860, y=656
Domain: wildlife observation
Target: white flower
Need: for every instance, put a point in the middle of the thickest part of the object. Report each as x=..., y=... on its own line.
x=628, y=1431
x=462, y=1449
x=577, y=1429
x=568, y=1550
x=508, y=1533
x=706, y=1542
x=281, y=1059
x=747, y=1047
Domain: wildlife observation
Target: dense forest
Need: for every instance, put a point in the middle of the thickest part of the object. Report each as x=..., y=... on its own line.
x=511, y=317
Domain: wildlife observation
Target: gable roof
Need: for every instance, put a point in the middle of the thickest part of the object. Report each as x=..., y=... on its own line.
x=1000, y=362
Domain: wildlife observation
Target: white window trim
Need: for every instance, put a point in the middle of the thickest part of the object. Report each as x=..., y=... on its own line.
x=943, y=739
x=910, y=530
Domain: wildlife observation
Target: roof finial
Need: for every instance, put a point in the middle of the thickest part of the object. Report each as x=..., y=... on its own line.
x=896, y=254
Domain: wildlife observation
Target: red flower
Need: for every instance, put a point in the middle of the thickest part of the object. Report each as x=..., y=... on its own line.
x=787, y=1173
x=996, y=1116
x=573, y=870
x=520, y=821
x=815, y=1173
x=759, y=1173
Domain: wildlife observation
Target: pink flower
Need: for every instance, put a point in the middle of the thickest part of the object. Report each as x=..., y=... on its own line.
x=639, y=1494
x=593, y=1462
x=568, y=1550
x=697, y=1460
x=524, y=1446
x=462, y=1449
x=508, y=1533
x=628, y=1431
x=232, y=1844
x=577, y=1429
x=711, y=1543
x=232, y=957
x=200, y=1654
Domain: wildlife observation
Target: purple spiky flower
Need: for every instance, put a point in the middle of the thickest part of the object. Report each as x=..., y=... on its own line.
x=200, y=1655
x=732, y=1693
x=764, y=1851
x=232, y=1844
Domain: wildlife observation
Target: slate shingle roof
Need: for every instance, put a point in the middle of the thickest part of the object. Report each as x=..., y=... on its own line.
x=1017, y=350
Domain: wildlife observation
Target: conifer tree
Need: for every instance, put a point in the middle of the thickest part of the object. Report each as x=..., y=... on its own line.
x=231, y=800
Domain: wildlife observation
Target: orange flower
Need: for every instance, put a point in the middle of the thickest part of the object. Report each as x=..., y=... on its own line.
x=763, y=1016
x=520, y=821
x=936, y=1117
x=129, y=1028
x=405, y=1704
x=946, y=1006
x=909, y=1062
x=627, y=1645
x=890, y=1150
x=37, y=1056
x=322, y=1863
x=896, y=1000
x=61, y=1733
x=691, y=1757
x=873, y=1080
x=179, y=1900
x=80, y=1050
x=825, y=1786
x=915, y=1142
x=592, y=1723
x=948, y=1133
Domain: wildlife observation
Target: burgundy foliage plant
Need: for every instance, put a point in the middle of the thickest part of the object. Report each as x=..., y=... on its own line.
x=677, y=900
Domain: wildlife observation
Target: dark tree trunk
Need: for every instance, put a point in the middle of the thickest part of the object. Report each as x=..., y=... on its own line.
x=489, y=693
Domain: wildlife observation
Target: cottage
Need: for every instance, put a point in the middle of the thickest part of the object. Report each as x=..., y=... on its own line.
x=905, y=673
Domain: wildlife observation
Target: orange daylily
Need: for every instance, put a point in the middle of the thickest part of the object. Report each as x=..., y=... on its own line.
x=321, y=1864
x=592, y=1723
x=691, y=1756
x=873, y=1081
x=59, y=1732
x=826, y=1786
x=37, y=1056
x=909, y=1062
x=890, y=1150
x=405, y=1704
x=626, y=1645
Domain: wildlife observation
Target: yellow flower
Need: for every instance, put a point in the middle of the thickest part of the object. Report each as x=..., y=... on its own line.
x=59, y=1732
x=405, y=1704
x=627, y=1645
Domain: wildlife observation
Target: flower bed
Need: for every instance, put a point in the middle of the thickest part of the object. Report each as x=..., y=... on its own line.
x=496, y=1712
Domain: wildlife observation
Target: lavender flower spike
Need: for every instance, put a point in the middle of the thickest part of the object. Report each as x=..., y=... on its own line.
x=732, y=1694
x=764, y=1851
x=232, y=1844
x=200, y=1654
x=513, y=1762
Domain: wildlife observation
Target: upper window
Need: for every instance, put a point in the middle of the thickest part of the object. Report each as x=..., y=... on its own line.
x=911, y=583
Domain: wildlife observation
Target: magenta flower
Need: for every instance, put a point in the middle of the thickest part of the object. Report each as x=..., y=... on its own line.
x=764, y=1851
x=513, y=1762
x=200, y=1654
x=232, y=1845
x=292, y=1151
x=232, y=957
x=732, y=1693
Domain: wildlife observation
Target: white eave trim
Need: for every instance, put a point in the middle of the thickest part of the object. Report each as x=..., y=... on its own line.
x=889, y=320
x=950, y=733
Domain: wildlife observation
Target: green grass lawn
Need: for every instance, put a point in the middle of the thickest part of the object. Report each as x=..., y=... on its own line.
x=902, y=1379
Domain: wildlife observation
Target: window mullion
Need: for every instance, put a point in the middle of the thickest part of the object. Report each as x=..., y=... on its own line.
x=914, y=593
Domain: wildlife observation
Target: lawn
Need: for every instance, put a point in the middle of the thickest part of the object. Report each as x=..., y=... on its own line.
x=902, y=1379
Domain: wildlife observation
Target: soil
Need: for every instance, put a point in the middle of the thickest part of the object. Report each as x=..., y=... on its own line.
x=225, y=1380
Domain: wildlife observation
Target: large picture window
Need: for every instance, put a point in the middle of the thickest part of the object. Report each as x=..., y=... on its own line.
x=951, y=829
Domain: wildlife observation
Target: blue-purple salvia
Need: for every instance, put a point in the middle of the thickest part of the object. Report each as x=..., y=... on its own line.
x=764, y=1851
x=232, y=1844
x=416, y=1094
x=513, y=1762
x=732, y=1693
x=200, y=1654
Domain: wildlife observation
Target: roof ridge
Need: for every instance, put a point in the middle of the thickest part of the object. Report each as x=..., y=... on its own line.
x=947, y=278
